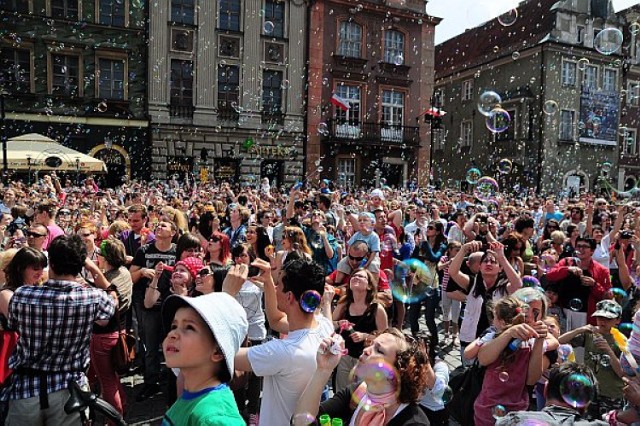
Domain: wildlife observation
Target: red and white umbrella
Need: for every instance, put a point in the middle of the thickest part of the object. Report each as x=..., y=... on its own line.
x=434, y=112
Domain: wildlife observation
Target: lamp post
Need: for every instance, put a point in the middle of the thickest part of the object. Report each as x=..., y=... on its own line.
x=29, y=169
x=5, y=161
x=434, y=116
x=77, y=171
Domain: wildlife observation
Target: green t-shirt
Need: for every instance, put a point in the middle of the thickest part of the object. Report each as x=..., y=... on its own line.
x=609, y=383
x=208, y=407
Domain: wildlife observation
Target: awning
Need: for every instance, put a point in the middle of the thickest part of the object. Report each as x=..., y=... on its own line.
x=48, y=155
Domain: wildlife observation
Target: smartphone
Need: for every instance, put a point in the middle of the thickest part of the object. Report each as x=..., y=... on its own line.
x=254, y=271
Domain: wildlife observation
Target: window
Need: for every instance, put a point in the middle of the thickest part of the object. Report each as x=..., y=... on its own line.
x=350, y=39
x=347, y=172
x=111, y=83
x=64, y=9
x=596, y=31
x=633, y=93
x=181, y=82
x=466, y=133
x=272, y=92
x=580, y=34
x=590, y=76
x=439, y=135
x=65, y=75
x=182, y=11
x=20, y=6
x=511, y=133
x=229, y=15
x=566, y=125
x=394, y=47
x=392, y=116
x=274, y=13
x=15, y=69
x=467, y=90
x=629, y=141
x=228, y=86
x=569, y=70
x=112, y=13
x=348, y=122
x=609, y=80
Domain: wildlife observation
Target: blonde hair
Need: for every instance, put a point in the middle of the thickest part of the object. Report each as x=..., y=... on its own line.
x=6, y=256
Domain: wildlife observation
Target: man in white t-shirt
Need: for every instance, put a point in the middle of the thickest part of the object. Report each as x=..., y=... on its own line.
x=286, y=364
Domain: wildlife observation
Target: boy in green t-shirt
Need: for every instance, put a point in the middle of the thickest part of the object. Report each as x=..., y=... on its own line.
x=601, y=355
x=205, y=334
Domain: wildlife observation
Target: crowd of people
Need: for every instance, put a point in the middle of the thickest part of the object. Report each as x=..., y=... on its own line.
x=271, y=306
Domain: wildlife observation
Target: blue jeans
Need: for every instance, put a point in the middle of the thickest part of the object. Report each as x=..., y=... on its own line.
x=415, y=309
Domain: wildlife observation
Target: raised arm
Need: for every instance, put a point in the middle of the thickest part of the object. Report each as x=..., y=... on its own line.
x=459, y=277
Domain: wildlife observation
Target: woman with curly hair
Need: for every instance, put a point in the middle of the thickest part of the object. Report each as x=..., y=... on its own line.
x=293, y=239
x=391, y=400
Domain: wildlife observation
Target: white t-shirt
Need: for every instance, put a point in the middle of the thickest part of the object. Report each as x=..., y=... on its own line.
x=601, y=253
x=287, y=365
x=250, y=297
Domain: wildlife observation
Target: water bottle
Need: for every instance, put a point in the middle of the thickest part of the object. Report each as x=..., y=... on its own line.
x=325, y=420
x=515, y=344
x=336, y=422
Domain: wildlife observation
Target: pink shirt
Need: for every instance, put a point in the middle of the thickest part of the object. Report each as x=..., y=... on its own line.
x=54, y=232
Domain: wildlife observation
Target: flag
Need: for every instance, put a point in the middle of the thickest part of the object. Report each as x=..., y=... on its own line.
x=340, y=102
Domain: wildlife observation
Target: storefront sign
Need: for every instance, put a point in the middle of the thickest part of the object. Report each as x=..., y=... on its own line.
x=179, y=164
x=110, y=157
x=225, y=170
x=270, y=151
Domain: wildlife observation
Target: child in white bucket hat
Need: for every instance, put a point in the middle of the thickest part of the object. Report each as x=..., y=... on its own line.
x=204, y=335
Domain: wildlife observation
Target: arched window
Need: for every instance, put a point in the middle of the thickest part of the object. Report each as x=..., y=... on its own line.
x=576, y=180
x=350, y=40
x=394, y=47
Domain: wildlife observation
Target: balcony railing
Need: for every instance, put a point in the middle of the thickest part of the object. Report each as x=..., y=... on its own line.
x=373, y=133
x=181, y=111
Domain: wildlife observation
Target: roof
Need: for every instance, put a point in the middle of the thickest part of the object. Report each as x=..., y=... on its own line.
x=535, y=21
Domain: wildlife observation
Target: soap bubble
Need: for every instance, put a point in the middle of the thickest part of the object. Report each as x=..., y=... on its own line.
x=515, y=56
x=486, y=189
x=310, y=300
x=505, y=166
x=634, y=28
x=508, y=18
x=102, y=106
x=503, y=376
x=303, y=419
x=417, y=288
x=323, y=129
x=268, y=27
x=577, y=390
x=498, y=121
x=398, y=59
x=606, y=167
x=550, y=107
x=564, y=351
x=378, y=374
x=547, y=262
x=608, y=41
x=488, y=101
x=618, y=294
x=499, y=411
x=529, y=281
x=473, y=174
x=575, y=305
x=605, y=361
x=285, y=84
x=582, y=64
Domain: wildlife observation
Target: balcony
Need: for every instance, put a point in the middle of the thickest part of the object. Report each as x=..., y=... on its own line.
x=181, y=111
x=373, y=133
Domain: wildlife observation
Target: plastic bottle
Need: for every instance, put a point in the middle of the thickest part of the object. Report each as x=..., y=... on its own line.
x=336, y=422
x=515, y=344
x=325, y=420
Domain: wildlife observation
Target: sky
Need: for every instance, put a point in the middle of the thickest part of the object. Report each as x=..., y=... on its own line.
x=459, y=15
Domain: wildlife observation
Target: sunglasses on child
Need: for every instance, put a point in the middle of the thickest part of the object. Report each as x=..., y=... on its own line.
x=357, y=259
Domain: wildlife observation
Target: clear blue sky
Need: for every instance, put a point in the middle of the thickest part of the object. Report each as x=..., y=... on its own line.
x=459, y=15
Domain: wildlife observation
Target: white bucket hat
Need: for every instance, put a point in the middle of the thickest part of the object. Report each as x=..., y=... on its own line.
x=223, y=314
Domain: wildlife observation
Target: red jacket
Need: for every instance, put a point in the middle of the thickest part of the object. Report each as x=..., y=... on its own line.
x=599, y=290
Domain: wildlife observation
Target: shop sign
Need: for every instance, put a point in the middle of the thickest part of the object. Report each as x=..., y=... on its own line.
x=271, y=151
x=180, y=164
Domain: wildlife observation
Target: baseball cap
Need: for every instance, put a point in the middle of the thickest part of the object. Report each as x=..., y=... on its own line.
x=225, y=317
x=607, y=309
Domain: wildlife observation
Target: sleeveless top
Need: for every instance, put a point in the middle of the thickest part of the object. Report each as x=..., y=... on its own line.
x=475, y=318
x=365, y=323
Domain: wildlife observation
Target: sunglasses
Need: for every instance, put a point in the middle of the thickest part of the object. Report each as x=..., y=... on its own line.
x=357, y=259
x=35, y=234
x=214, y=239
x=583, y=246
x=85, y=235
x=431, y=228
x=204, y=272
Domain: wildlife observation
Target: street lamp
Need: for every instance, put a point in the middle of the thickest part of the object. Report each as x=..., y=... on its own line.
x=5, y=161
x=77, y=171
x=29, y=169
x=434, y=116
